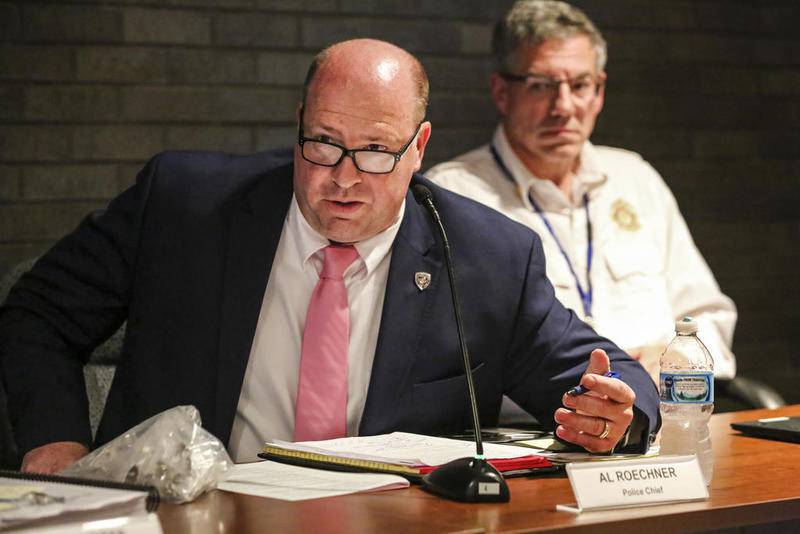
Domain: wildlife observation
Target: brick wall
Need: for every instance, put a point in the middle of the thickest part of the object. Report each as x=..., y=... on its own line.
x=707, y=90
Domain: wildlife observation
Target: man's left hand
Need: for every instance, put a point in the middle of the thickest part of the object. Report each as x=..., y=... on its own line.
x=598, y=419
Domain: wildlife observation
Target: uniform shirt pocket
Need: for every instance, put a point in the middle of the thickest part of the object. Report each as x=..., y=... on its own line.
x=637, y=290
x=631, y=259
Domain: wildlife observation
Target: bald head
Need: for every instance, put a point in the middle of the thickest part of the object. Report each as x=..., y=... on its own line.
x=374, y=65
x=363, y=99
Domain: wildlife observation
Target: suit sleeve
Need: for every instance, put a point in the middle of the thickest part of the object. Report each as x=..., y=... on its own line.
x=74, y=297
x=550, y=352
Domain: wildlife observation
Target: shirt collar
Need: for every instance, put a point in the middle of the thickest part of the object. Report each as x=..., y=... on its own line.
x=590, y=172
x=588, y=177
x=310, y=243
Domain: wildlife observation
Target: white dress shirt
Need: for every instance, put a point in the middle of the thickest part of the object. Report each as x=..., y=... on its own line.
x=646, y=271
x=267, y=400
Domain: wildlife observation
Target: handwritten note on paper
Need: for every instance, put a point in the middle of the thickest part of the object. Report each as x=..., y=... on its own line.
x=405, y=448
x=293, y=483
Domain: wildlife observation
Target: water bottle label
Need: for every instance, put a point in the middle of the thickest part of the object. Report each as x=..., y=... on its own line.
x=695, y=388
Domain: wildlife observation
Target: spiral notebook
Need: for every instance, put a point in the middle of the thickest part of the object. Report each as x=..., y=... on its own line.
x=409, y=455
x=29, y=500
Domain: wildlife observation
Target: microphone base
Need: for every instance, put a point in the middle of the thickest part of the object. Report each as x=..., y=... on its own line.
x=467, y=480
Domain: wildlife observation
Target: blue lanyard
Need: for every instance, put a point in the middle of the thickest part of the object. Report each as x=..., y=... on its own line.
x=586, y=296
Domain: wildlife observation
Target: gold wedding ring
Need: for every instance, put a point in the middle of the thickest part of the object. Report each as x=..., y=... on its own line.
x=606, y=430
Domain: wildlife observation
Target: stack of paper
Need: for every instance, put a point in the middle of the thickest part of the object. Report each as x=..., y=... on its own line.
x=558, y=452
x=37, y=502
x=293, y=483
x=411, y=455
x=316, y=470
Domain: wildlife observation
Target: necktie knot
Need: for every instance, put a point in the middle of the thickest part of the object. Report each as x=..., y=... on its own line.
x=337, y=259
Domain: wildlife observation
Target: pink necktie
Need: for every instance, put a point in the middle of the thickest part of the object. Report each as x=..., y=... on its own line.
x=321, y=409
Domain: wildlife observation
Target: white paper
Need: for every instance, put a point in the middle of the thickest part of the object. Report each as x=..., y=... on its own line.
x=557, y=452
x=132, y=524
x=77, y=499
x=293, y=483
x=80, y=503
x=405, y=448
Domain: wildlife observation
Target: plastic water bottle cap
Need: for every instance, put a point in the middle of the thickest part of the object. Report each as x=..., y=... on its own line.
x=687, y=325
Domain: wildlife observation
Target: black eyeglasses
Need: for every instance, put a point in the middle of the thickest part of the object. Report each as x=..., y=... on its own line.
x=581, y=87
x=365, y=159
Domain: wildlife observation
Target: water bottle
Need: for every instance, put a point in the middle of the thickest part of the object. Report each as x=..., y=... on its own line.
x=687, y=396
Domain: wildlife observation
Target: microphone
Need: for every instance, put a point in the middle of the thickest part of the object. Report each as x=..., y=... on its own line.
x=470, y=479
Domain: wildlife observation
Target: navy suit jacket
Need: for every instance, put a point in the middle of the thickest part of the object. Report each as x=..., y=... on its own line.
x=184, y=256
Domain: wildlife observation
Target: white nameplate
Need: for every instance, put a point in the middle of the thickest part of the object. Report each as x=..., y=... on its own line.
x=642, y=481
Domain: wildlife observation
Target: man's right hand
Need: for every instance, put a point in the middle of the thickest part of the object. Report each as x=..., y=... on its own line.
x=53, y=457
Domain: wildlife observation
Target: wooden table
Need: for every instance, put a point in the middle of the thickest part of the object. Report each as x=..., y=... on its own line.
x=755, y=481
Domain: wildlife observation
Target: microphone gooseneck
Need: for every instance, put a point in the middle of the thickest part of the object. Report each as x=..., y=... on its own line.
x=424, y=197
x=466, y=479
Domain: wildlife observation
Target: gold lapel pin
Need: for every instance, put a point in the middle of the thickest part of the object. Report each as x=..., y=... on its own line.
x=423, y=280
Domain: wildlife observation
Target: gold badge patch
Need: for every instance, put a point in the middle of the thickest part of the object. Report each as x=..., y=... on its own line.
x=624, y=215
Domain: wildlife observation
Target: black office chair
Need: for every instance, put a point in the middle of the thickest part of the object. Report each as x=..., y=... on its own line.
x=98, y=374
x=744, y=393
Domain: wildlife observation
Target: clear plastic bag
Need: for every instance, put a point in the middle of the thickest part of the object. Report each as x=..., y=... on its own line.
x=170, y=451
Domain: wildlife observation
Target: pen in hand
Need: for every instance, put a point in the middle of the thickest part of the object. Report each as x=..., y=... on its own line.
x=580, y=390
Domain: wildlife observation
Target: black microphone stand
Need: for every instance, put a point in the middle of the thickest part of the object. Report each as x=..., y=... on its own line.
x=470, y=479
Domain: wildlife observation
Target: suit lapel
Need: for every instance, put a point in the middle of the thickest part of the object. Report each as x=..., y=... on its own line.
x=255, y=230
x=404, y=313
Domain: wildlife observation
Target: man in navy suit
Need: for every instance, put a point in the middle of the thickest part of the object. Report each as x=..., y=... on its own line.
x=212, y=260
